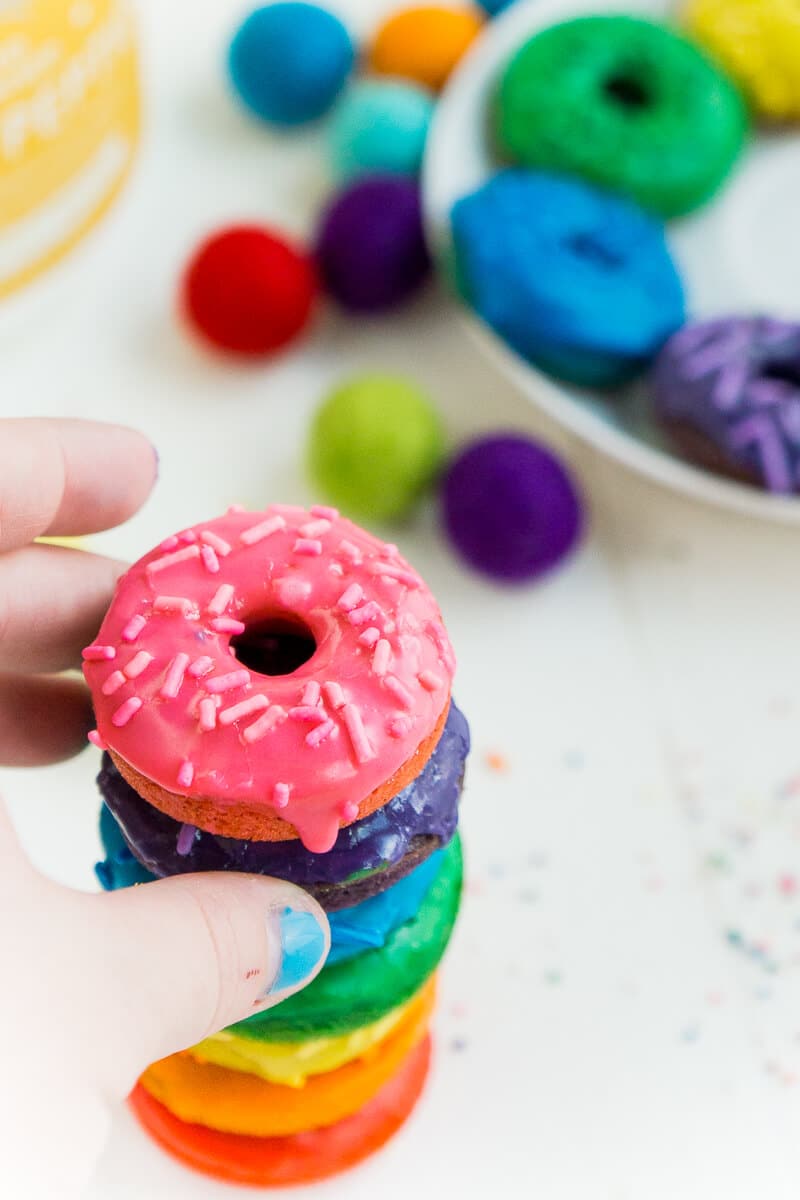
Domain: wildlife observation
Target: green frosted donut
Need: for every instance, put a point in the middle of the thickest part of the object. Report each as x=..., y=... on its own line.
x=363, y=989
x=626, y=104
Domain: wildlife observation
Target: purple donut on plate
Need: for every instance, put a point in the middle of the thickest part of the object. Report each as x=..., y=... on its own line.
x=728, y=394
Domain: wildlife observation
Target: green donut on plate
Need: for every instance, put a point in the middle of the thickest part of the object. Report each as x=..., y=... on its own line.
x=363, y=989
x=626, y=104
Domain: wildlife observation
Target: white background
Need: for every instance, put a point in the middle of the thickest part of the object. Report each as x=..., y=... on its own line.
x=620, y=1011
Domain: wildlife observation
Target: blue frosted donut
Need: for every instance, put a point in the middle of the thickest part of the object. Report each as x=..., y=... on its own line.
x=577, y=280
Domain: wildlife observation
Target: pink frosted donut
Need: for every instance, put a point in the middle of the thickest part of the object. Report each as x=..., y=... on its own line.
x=218, y=744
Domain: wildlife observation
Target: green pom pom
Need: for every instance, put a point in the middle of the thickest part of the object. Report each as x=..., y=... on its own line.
x=626, y=104
x=375, y=444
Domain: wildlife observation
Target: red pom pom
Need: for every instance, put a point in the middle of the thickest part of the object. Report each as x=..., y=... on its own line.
x=248, y=291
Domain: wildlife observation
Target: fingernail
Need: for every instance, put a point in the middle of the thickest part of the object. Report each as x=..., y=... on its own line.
x=303, y=944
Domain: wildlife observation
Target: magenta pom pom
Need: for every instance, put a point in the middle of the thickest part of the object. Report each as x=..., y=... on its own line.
x=371, y=251
x=510, y=508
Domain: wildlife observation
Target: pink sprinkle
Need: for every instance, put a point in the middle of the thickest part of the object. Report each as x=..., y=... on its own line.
x=264, y=528
x=172, y=604
x=308, y=546
x=221, y=599
x=351, y=597
x=169, y=543
x=390, y=549
x=113, y=683
x=367, y=612
x=170, y=560
x=399, y=726
x=351, y=551
x=400, y=692
x=235, y=508
x=174, y=677
x=123, y=714
x=272, y=717
x=99, y=653
x=324, y=510
x=226, y=683
x=292, y=592
x=307, y=712
x=186, y=774
x=208, y=714
x=210, y=560
x=320, y=733
x=389, y=571
x=280, y=795
x=288, y=510
x=140, y=662
x=430, y=680
x=250, y=705
x=201, y=666
x=336, y=568
x=370, y=636
x=315, y=529
x=186, y=836
x=381, y=657
x=311, y=692
x=219, y=544
x=358, y=736
x=188, y=535
x=349, y=810
x=96, y=740
x=787, y=885
x=335, y=695
x=134, y=628
x=228, y=625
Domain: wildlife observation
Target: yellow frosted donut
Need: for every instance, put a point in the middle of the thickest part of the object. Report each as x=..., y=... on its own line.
x=758, y=43
x=292, y=1063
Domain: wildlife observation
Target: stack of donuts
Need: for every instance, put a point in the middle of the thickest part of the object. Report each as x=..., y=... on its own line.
x=603, y=127
x=272, y=695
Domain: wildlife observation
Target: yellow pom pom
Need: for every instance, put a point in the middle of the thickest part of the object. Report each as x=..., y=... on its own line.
x=424, y=43
x=758, y=43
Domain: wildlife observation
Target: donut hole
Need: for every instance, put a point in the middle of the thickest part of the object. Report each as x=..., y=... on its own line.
x=782, y=372
x=275, y=646
x=627, y=91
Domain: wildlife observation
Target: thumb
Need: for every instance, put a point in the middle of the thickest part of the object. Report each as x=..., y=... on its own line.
x=185, y=956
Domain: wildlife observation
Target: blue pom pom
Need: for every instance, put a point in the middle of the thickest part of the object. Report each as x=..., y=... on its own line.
x=493, y=7
x=289, y=61
x=577, y=280
x=379, y=127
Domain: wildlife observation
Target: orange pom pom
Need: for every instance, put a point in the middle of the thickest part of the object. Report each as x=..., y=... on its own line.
x=424, y=44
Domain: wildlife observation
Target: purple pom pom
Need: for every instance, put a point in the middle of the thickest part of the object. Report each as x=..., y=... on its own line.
x=371, y=249
x=510, y=507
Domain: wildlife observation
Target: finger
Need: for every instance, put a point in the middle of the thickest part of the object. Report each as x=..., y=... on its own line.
x=68, y=476
x=188, y=955
x=52, y=601
x=42, y=720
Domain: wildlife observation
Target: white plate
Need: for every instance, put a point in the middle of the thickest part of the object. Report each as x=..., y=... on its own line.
x=740, y=254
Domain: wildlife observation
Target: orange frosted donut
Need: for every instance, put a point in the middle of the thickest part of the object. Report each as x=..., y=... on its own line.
x=269, y=675
x=235, y=1102
x=302, y=1158
x=424, y=43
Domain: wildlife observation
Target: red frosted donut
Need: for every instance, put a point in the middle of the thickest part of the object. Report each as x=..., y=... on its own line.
x=300, y=1158
x=318, y=735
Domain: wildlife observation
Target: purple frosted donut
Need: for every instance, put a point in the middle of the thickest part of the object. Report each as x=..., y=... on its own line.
x=728, y=393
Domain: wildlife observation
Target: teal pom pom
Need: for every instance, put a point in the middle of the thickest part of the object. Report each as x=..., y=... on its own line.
x=289, y=61
x=379, y=127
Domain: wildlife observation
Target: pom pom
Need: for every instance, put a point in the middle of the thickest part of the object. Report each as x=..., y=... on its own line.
x=248, y=291
x=510, y=508
x=493, y=7
x=424, y=43
x=375, y=444
x=289, y=61
x=371, y=251
x=380, y=127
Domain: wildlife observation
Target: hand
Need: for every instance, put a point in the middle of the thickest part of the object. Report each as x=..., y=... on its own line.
x=97, y=986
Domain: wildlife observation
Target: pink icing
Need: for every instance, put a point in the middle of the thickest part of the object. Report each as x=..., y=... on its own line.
x=182, y=710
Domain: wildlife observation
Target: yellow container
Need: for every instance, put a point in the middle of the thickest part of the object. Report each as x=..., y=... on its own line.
x=69, y=126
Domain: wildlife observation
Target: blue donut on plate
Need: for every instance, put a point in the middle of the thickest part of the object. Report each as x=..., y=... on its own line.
x=577, y=280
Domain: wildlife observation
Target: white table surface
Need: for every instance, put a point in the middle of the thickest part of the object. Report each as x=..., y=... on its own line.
x=620, y=1009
